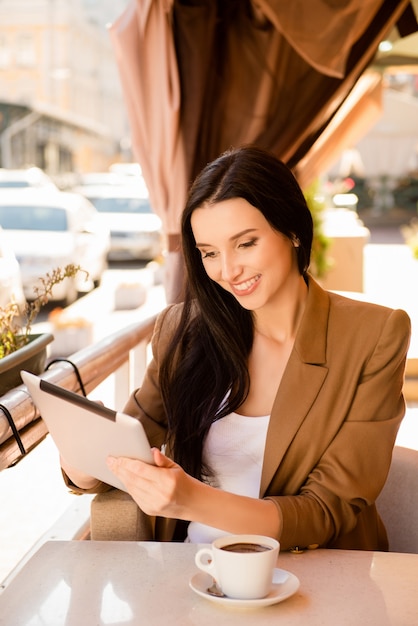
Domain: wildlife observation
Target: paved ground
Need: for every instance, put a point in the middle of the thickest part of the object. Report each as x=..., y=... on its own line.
x=33, y=495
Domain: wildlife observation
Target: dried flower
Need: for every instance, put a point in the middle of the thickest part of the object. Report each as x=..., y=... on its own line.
x=15, y=325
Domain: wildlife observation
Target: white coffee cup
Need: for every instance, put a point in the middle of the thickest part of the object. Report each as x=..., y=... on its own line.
x=242, y=565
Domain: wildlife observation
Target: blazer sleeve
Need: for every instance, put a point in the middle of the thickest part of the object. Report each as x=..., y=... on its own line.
x=351, y=469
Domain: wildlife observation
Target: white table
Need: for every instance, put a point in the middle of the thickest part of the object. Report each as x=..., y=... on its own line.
x=87, y=583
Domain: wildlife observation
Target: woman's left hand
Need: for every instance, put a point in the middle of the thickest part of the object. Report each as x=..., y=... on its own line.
x=162, y=489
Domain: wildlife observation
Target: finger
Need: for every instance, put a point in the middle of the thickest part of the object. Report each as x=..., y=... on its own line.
x=161, y=460
x=122, y=464
x=141, y=488
x=132, y=472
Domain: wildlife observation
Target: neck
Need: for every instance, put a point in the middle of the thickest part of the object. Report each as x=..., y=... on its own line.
x=281, y=321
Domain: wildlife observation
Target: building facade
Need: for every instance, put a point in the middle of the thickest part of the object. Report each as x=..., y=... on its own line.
x=61, y=105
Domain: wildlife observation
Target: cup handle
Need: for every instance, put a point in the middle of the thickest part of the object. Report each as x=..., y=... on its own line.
x=204, y=561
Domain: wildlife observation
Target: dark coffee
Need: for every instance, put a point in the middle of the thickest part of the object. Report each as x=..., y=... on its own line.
x=245, y=547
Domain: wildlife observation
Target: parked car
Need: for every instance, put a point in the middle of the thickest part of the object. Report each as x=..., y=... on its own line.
x=51, y=229
x=132, y=170
x=25, y=177
x=11, y=288
x=118, y=174
x=97, y=179
x=135, y=230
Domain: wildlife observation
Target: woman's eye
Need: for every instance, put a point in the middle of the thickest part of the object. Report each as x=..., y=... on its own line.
x=248, y=244
x=208, y=255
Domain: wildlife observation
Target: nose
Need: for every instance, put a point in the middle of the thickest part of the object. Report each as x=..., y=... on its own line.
x=230, y=269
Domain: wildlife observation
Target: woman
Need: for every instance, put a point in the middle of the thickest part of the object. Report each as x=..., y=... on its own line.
x=272, y=405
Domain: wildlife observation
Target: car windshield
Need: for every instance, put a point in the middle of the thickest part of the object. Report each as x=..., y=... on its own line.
x=33, y=218
x=121, y=205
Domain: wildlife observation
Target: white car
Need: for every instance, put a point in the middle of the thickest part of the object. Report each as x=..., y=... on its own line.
x=25, y=177
x=135, y=230
x=50, y=229
x=97, y=179
x=11, y=288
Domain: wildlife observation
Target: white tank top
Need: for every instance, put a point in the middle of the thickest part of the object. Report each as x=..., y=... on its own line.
x=234, y=450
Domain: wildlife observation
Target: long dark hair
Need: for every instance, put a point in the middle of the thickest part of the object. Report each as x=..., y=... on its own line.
x=204, y=374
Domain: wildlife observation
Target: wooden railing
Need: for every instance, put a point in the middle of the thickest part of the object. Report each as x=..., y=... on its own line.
x=123, y=353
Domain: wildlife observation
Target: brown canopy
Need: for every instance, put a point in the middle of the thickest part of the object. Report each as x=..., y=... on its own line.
x=200, y=76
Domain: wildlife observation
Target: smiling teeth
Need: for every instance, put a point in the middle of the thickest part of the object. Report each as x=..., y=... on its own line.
x=247, y=284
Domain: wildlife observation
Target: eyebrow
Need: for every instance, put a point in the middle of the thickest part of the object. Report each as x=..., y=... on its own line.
x=233, y=238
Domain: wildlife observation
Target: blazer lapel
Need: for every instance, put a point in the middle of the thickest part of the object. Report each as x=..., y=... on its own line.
x=302, y=380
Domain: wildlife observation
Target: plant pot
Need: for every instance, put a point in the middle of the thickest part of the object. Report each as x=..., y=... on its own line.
x=31, y=357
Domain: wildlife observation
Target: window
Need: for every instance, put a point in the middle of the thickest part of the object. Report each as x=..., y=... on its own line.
x=25, y=50
x=33, y=218
x=5, y=52
x=121, y=205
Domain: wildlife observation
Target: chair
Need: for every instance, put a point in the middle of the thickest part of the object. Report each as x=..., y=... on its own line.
x=116, y=517
x=398, y=502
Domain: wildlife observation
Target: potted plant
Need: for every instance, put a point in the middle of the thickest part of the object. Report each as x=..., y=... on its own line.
x=19, y=348
x=410, y=235
x=320, y=261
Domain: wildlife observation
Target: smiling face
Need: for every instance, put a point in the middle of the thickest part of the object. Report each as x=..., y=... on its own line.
x=243, y=253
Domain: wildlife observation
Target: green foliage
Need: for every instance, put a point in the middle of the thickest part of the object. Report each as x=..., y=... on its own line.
x=15, y=325
x=410, y=235
x=320, y=263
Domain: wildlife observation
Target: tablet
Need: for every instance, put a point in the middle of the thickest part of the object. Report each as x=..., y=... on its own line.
x=86, y=432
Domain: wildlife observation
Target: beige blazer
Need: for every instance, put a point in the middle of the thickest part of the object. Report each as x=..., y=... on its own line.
x=333, y=423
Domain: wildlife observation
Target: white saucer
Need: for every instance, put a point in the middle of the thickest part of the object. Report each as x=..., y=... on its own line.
x=285, y=585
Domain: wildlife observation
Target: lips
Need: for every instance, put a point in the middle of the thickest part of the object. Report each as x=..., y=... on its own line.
x=246, y=286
